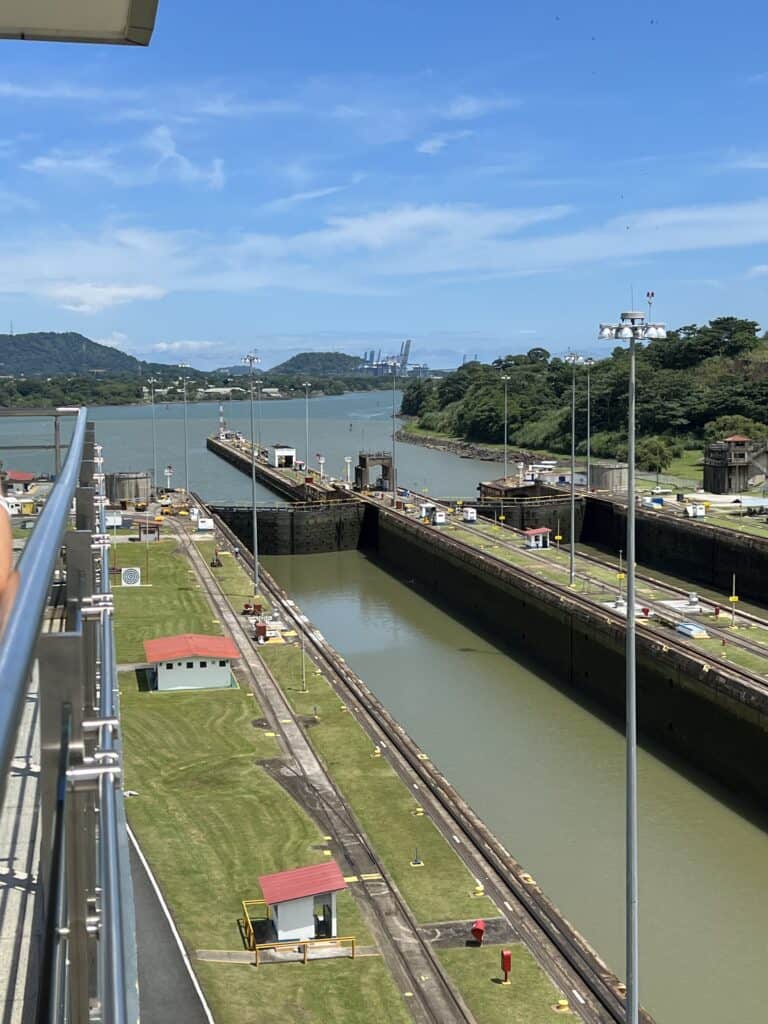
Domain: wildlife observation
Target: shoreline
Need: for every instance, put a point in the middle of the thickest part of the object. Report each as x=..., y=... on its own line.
x=464, y=449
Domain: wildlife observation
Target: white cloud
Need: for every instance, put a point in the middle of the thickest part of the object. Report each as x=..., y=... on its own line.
x=754, y=161
x=434, y=144
x=226, y=106
x=10, y=201
x=126, y=165
x=467, y=108
x=92, y=298
x=761, y=270
x=162, y=142
x=185, y=346
x=384, y=252
x=62, y=91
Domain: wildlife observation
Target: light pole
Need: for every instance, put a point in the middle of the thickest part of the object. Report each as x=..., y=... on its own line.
x=251, y=360
x=306, y=385
x=185, y=366
x=506, y=380
x=258, y=384
x=152, y=381
x=589, y=363
x=632, y=327
x=574, y=360
x=394, y=470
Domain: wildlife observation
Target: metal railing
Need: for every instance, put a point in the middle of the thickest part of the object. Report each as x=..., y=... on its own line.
x=87, y=954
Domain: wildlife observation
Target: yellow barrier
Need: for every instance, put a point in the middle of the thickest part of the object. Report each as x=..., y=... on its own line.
x=306, y=943
x=250, y=934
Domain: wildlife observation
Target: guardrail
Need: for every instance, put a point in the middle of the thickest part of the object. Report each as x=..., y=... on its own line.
x=87, y=953
x=305, y=944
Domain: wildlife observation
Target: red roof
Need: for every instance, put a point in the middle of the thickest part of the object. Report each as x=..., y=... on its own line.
x=536, y=530
x=17, y=477
x=737, y=437
x=189, y=645
x=311, y=881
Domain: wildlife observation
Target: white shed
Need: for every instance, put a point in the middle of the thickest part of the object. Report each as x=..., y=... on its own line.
x=282, y=456
x=302, y=902
x=191, y=661
x=537, y=537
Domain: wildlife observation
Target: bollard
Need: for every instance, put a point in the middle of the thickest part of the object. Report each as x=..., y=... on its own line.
x=506, y=965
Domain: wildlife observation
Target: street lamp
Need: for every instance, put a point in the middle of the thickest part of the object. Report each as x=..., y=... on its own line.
x=575, y=360
x=251, y=360
x=185, y=366
x=506, y=380
x=307, y=386
x=394, y=423
x=632, y=327
x=152, y=381
x=258, y=384
x=589, y=363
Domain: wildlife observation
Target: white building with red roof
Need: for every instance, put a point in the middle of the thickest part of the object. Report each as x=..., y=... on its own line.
x=302, y=902
x=191, y=661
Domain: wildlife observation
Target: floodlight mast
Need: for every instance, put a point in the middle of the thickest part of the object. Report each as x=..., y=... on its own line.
x=632, y=327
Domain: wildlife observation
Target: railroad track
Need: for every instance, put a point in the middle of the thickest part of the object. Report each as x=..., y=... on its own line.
x=666, y=638
x=433, y=999
x=565, y=954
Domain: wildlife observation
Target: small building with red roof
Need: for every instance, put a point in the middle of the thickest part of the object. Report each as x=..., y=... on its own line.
x=191, y=661
x=537, y=537
x=302, y=902
x=18, y=481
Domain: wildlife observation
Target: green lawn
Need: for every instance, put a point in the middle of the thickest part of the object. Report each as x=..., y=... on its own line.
x=210, y=821
x=235, y=583
x=438, y=891
x=173, y=603
x=477, y=972
x=343, y=991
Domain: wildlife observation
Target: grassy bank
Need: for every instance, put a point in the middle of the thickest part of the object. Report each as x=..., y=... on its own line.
x=211, y=820
x=438, y=891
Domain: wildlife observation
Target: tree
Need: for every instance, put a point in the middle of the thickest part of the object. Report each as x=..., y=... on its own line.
x=724, y=426
x=653, y=454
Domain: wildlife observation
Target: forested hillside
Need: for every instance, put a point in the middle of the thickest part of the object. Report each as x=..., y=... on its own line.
x=50, y=353
x=699, y=383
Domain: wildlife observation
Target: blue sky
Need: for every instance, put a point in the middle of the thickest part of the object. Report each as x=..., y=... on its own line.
x=342, y=175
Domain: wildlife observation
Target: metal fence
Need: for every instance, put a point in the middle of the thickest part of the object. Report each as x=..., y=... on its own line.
x=86, y=962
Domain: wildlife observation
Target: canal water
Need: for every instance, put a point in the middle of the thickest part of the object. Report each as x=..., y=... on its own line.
x=545, y=772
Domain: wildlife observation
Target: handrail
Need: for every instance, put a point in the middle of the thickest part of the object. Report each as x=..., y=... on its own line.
x=36, y=566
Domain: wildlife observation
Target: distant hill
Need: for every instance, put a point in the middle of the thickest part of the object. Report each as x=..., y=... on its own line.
x=319, y=364
x=50, y=354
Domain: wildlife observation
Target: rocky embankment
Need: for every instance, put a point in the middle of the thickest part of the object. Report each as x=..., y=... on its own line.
x=464, y=449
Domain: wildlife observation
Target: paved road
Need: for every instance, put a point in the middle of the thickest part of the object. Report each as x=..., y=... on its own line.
x=166, y=992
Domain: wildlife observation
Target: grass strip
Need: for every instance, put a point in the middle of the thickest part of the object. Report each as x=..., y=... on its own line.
x=440, y=889
x=170, y=601
x=477, y=972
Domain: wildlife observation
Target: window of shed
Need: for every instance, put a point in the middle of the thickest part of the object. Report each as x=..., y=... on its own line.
x=222, y=663
x=190, y=664
x=203, y=664
x=169, y=664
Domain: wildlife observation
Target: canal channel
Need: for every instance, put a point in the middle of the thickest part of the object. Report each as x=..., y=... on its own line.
x=544, y=771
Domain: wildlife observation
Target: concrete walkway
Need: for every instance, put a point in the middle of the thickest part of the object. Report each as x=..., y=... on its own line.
x=166, y=992
x=19, y=864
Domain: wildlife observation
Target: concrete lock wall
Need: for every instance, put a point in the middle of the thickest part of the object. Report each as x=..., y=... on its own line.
x=298, y=530
x=705, y=716
x=554, y=513
x=694, y=550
